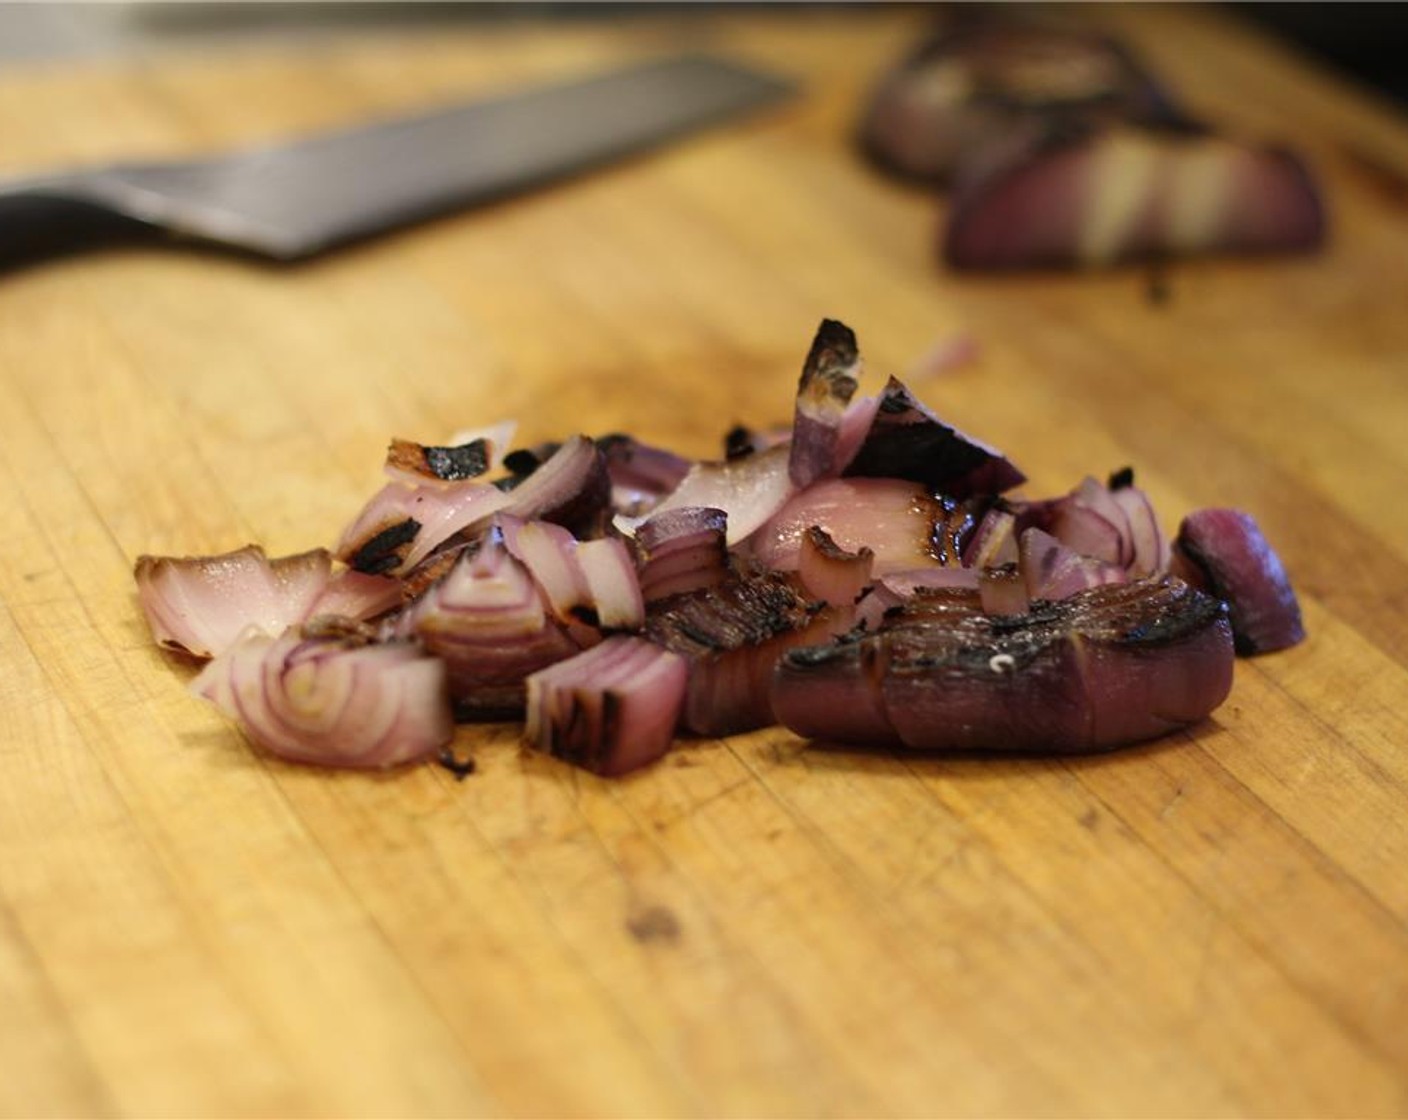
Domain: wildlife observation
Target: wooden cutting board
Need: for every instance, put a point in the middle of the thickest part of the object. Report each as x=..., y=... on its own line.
x=1217, y=923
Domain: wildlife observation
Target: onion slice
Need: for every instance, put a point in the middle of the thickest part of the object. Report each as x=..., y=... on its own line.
x=610, y=710
x=488, y=620
x=332, y=701
x=682, y=550
x=829, y=380
x=201, y=604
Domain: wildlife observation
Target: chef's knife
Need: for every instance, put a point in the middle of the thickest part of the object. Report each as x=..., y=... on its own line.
x=292, y=200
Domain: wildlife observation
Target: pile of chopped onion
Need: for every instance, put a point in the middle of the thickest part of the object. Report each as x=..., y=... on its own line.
x=871, y=576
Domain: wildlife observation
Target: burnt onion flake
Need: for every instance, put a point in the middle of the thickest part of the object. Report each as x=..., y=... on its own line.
x=870, y=577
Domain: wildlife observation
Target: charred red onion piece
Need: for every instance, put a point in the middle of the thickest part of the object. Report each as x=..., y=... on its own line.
x=829, y=572
x=402, y=524
x=572, y=489
x=1230, y=555
x=1109, y=666
x=201, y=604
x=906, y=440
x=732, y=636
x=1129, y=194
x=829, y=380
x=332, y=701
x=610, y=710
x=487, y=620
x=682, y=550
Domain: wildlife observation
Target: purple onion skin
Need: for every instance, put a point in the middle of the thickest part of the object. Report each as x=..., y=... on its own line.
x=1227, y=550
x=1110, y=666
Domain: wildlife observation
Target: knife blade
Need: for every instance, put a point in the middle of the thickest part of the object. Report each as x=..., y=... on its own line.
x=289, y=201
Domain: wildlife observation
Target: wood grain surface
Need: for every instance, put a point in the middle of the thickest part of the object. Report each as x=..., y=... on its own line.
x=1215, y=924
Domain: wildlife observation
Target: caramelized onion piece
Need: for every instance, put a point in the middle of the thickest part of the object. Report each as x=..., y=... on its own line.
x=732, y=636
x=610, y=710
x=682, y=550
x=1053, y=571
x=332, y=700
x=1230, y=555
x=1109, y=666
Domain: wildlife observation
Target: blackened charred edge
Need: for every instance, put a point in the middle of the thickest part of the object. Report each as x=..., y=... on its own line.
x=523, y=462
x=743, y=612
x=834, y=351
x=1121, y=479
x=349, y=632
x=892, y=404
x=585, y=614
x=930, y=453
x=822, y=541
x=738, y=443
x=379, y=554
x=461, y=768
x=455, y=464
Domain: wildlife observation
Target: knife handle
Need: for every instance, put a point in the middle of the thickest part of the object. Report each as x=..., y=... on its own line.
x=48, y=217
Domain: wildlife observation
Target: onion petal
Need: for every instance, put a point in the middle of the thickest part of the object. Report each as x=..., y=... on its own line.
x=332, y=702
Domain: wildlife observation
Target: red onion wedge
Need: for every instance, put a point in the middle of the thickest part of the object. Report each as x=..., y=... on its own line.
x=1131, y=194
x=332, y=701
x=829, y=380
x=572, y=489
x=732, y=636
x=201, y=604
x=610, y=710
x=682, y=550
x=587, y=583
x=1228, y=553
x=487, y=620
x=1109, y=666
